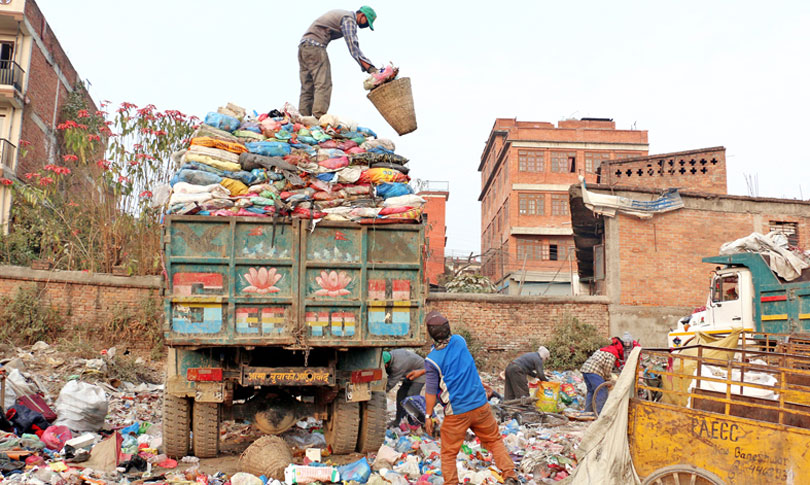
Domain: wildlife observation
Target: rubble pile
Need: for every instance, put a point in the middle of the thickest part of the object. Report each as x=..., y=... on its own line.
x=283, y=164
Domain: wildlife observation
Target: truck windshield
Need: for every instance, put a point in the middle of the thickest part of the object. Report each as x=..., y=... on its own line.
x=725, y=288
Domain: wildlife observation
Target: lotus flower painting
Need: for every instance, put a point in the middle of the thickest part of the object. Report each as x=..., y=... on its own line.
x=262, y=281
x=333, y=283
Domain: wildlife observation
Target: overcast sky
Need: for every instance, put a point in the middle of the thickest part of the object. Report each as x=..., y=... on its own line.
x=693, y=73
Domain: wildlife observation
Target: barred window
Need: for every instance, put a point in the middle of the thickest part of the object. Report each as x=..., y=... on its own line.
x=559, y=204
x=789, y=229
x=531, y=161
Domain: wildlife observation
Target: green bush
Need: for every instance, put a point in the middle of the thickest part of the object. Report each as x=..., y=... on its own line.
x=24, y=319
x=572, y=343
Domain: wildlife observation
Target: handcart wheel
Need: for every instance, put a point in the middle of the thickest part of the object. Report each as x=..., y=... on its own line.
x=682, y=475
x=605, y=385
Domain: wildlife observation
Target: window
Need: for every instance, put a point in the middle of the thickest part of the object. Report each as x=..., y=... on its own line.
x=789, y=229
x=594, y=159
x=531, y=161
x=532, y=204
x=559, y=204
x=563, y=162
x=725, y=288
x=556, y=251
x=540, y=250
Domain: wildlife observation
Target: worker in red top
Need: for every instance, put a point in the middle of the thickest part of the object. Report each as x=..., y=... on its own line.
x=313, y=62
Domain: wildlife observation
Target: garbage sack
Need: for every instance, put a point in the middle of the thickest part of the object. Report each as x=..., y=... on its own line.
x=410, y=467
x=243, y=478
x=195, y=177
x=308, y=474
x=222, y=122
x=392, y=189
x=55, y=437
x=250, y=161
x=404, y=201
x=269, y=148
x=81, y=406
x=381, y=175
x=358, y=471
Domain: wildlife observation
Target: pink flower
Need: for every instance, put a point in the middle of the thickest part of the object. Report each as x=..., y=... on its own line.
x=31, y=175
x=72, y=204
x=25, y=143
x=70, y=158
x=82, y=114
x=333, y=283
x=122, y=179
x=45, y=181
x=262, y=281
x=146, y=193
x=103, y=164
x=93, y=138
x=5, y=181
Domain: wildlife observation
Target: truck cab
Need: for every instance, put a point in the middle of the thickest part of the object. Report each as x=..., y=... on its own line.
x=745, y=293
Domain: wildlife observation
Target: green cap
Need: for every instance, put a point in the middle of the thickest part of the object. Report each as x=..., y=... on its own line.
x=386, y=357
x=370, y=14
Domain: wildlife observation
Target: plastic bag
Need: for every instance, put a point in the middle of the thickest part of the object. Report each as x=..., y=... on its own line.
x=394, y=189
x=409, y=468
x=81, y=406
x=309, y=474
x=335, y=163
x=382, y=175
x=386, y=457
x=222, y=122
x=410, y=200
x=548, y=396
x=55, y=437
x=269, y=148
x=358, y=471
x=243, y=478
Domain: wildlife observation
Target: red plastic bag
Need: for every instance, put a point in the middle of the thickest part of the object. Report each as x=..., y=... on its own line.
x=55, y=437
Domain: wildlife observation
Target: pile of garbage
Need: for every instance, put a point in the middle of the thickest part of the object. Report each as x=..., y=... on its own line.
x=283, y=164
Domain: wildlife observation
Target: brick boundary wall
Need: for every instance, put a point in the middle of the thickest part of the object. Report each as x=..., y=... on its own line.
x=502, y=323
x=512, y=323
x=87, y=300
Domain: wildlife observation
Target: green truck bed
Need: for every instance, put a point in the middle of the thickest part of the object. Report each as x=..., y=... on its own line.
x=250, y=281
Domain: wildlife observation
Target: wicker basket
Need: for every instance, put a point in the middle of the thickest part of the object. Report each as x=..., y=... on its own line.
x=268, y=456
x=394, y=101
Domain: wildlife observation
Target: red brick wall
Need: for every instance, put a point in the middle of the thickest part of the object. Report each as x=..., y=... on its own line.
x=86, y=300
x=43, y=84
x=508, y=323
x=436, y=233
x=699, y=170
x=660, y=258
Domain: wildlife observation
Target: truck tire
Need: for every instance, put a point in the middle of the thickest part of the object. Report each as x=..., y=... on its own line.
x=342, y=425
x=372, y=423
x=176, y=425
x=205, y=429
x=268, y=456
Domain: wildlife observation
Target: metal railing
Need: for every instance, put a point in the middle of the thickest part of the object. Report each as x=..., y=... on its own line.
x=7, y=151
x=11, y=74
x=431, y=185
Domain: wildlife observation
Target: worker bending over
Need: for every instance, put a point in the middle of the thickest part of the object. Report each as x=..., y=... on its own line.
x=407, y=367
x=519, y=370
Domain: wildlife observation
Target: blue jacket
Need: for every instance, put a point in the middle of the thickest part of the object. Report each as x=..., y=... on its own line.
x=452, y=376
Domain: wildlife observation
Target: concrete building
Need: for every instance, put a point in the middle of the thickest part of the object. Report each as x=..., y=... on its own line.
x=650, y=269
x=526, y=168
x=436, y=193
x=35, y=79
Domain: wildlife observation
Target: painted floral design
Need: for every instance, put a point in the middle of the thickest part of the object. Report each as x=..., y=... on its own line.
x=262, y=281
x=333, y=283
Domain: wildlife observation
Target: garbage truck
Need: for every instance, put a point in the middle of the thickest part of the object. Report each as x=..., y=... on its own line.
x=274, y=321
x=746, y=293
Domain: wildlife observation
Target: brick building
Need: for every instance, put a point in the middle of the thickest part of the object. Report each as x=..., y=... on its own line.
x=436, y=194
x=526, y=168
x=35, y=79
x=650, y=269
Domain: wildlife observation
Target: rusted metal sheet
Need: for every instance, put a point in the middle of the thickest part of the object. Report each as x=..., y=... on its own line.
x=287, y=376
x=255, y=282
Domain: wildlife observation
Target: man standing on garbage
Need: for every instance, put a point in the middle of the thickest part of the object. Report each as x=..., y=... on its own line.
x=518, y=371
x=453, y=380
x=599, y=366
x=407, y=367
x=313, y=62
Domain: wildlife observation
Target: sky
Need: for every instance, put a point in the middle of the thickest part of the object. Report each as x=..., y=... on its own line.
x=694, y=74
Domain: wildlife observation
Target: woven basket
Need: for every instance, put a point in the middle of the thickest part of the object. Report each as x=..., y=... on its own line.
x=394, y=101
x=268, y=456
